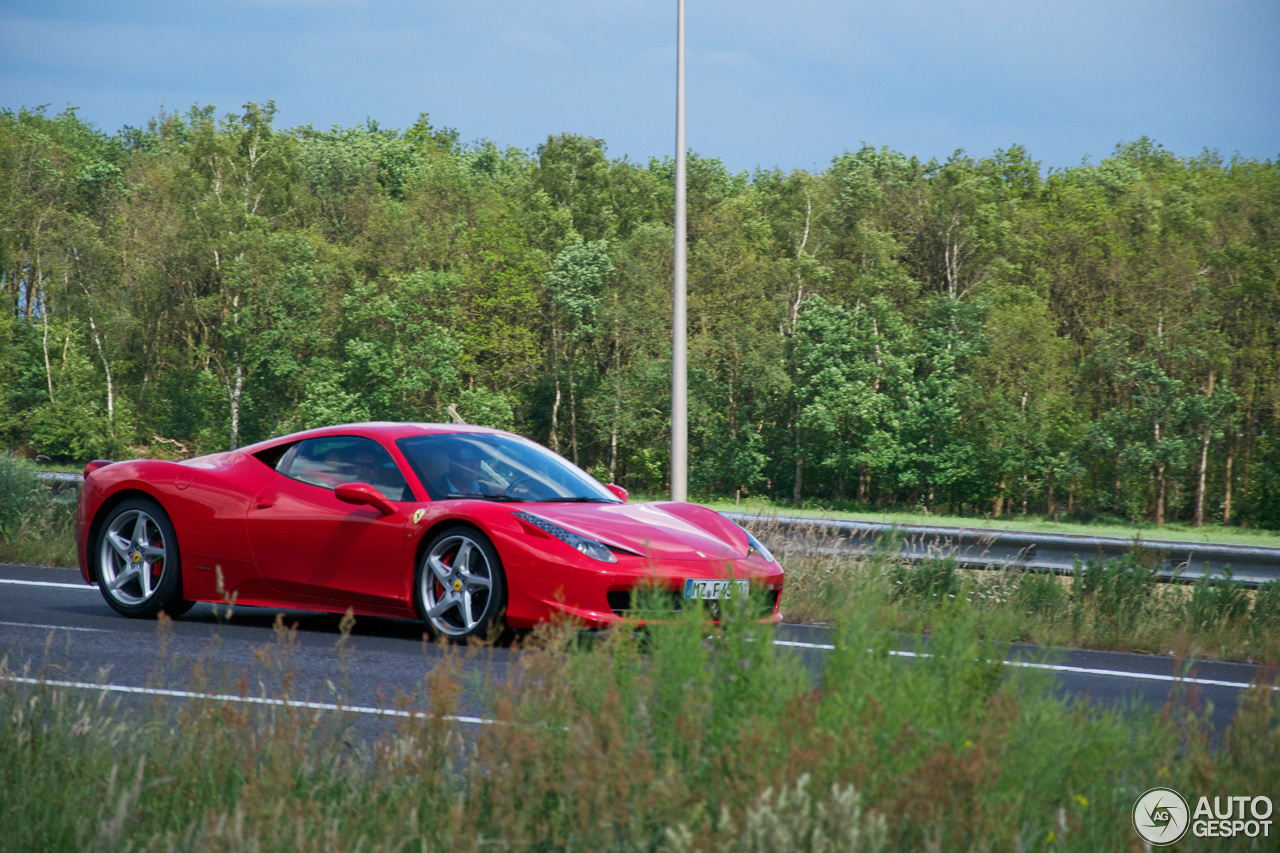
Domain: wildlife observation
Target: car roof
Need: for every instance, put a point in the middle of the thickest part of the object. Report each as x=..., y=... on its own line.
x=386, y=431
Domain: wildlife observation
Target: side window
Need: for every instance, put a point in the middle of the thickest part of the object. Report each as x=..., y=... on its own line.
x=329, y=462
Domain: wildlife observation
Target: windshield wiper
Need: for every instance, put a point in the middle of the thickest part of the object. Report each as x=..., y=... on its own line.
x=576, y=500
x=485, y=497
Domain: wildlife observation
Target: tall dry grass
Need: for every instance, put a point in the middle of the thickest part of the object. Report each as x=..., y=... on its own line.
x=687, y=737
x=1116, y=605
x=37, y=525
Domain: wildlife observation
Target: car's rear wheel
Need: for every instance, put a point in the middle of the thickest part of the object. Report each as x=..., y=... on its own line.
x=460, y=590
x=139, y=570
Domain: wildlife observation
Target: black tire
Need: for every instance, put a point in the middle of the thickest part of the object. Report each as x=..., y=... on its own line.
x=460, y=589
x=136, y=561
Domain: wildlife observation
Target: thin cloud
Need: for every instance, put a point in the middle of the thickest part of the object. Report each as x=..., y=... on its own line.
x=768, y=85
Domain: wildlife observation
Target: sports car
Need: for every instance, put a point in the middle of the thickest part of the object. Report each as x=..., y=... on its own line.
x=471, y=530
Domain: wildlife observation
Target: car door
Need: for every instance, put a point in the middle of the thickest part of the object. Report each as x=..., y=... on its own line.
x=310, y=545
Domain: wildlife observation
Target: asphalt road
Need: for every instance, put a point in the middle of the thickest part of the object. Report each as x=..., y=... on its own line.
x=55, y=627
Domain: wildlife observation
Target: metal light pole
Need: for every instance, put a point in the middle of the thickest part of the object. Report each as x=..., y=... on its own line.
x=679, y=383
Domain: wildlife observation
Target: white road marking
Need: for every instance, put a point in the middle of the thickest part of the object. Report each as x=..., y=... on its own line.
x=248, y=700
x=826, y=647
x=51, y=583
x=1148, y=676
x=822, y=647
x=55, y=627
x=1079, y=670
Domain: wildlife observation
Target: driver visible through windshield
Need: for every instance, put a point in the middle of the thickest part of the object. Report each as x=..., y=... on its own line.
x=496, y=467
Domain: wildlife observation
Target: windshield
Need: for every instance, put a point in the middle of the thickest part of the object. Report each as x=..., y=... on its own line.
x=497, y=467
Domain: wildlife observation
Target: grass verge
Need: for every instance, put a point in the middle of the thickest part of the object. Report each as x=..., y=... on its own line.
x=37, y=527
x=684, y=739
x=1217, y=533
x=1117, y=605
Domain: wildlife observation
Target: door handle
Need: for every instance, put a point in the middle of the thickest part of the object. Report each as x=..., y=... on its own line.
x=265, y=503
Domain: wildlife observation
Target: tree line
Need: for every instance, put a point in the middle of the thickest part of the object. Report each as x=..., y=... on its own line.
x=977, y=335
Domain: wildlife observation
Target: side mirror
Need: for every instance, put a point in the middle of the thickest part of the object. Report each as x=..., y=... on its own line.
x=618, y=492
x=365, y=494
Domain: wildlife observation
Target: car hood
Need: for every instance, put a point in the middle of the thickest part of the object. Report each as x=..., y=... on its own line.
x=666, y=531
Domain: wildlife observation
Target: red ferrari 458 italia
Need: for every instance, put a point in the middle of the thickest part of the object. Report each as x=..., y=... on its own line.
x=466, y=528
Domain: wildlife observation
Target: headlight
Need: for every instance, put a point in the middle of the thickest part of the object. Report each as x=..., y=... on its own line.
x=593, y=549
x=755, y=546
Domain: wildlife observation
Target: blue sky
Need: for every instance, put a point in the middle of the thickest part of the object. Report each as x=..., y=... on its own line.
x=787, y=85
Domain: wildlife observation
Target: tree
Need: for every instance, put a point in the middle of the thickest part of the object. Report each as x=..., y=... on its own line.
x=940, y=454
x=855, y=368
x=573, y=172
x=575, y=287
x=399, y=346
x=239, y=180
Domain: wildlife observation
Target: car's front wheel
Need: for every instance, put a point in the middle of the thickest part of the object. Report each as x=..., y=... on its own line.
x=139, y=570
x=460, y=588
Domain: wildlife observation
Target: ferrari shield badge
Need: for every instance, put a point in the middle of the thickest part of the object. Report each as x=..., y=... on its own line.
x=418, y=514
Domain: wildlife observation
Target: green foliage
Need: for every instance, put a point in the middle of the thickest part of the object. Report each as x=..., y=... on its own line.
x=74, y=426
x=1123, y=608
x=189, y=403
x=484, y=407
x=399, y=349
x=22, y=375
x=1116, y=590
x=326, y=402
x=933, y=580
x=1040, y=593
x=37, y=524
x=573, y=172
x=856, y=369
x=71, y=431
x=1262, y=498
x=576, y=284
x=18, y=484
x=690, y=736
x=1266, y=606
x=1215, y=600
x=972, y=336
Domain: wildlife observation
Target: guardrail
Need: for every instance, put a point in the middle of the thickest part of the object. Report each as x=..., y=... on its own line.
x=61, y=477
x=977, y=547
x=987, y=548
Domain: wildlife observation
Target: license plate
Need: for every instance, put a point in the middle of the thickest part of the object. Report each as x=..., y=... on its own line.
x=698, y=588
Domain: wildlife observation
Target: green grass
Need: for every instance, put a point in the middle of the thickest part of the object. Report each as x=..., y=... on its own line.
x=1114, y=605
x=34, y=528
x=1216, y=533
x=58, y=467
x=688, y=738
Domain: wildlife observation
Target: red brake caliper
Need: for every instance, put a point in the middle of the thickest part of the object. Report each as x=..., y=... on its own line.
x=157, y=568
x=448, y=561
